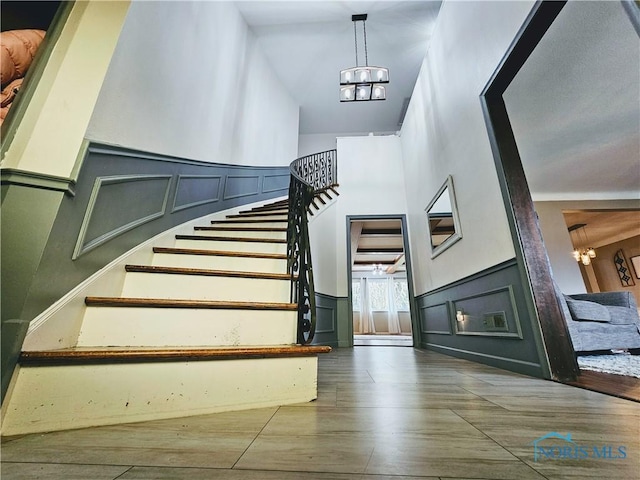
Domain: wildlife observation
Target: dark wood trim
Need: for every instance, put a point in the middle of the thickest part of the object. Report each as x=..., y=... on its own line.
x=206, y=272
x=619, y=386
x=137, y=355
x=230, y=239
x=530, y=250
x=175, y=303
x=220, y=253
x=380, y=250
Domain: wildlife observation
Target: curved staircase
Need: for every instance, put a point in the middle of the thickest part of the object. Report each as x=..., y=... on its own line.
x=208, y=326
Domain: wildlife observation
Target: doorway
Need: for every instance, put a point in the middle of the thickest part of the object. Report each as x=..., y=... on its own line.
x=502, y=101
x=380, y=285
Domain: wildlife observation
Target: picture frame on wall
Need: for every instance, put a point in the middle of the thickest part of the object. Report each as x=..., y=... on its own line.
x=624, y=272
x=635, y=261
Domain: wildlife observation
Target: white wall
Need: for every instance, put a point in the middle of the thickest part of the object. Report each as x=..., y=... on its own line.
x=188, y=80
x=319, y=142
x=371, y=183
x=315, y=143
x=444, y=133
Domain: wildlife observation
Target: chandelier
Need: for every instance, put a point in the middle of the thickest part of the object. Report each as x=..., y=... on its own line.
x=584, y=254
x=363, y=83
x=378, y=269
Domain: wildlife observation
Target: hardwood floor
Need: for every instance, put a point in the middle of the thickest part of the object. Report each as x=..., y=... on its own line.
x=382, y=413
x=616, y=385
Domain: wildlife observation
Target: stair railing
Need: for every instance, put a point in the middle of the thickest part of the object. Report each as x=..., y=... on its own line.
x=309, y=176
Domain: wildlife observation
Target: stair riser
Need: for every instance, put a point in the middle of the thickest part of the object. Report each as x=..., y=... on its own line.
x=216, y=262
x=194, y=287
x=242, y=234
x=66, y=397
x=259, y=216
x=225, y=246
x=157, y=327
x=236, y=223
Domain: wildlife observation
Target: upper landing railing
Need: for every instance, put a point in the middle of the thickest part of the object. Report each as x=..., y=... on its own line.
x=310, y=176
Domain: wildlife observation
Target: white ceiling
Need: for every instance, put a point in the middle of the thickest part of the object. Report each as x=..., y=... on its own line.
x=309, y=42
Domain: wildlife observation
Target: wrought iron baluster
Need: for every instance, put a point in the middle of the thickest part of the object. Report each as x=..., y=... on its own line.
x=309, y=175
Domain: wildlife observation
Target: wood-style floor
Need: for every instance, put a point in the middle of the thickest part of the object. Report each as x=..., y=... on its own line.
x=616, y=385
x=383, y=413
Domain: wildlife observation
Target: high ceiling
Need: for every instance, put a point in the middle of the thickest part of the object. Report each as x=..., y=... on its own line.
x=574, y=106
x=309, y=42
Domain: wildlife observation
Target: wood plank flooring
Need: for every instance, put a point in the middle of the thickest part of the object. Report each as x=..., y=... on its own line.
x=382, y=413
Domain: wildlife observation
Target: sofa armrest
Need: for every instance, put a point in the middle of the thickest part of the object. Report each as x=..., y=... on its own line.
x=614, y=299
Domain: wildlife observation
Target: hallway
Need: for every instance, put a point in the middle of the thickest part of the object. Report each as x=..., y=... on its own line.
x=382, y=413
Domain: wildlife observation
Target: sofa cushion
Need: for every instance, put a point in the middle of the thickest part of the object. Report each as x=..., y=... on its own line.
x=582, y=310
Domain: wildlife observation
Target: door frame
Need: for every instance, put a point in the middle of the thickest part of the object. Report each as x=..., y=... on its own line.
x=553, y=340
x=415, y=330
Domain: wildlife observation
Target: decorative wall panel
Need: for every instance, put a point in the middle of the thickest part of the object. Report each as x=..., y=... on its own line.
x=194, y=190
x=118, y=204
x=435, y=319
x=274, y=183
x=493, y=324
x=241, y=186
x=326, y=320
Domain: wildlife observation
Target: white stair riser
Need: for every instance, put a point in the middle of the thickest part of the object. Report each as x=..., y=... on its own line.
x=156, y=327
x=251, y=224
x=272, y=216
x=219, y=262
x=195, y=287
x=242, y=234
x=66, y=397
x=225, y=246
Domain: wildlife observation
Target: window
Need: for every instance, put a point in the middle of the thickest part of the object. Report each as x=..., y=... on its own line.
x=355, y=295
x=378, y=295
x=401, y=294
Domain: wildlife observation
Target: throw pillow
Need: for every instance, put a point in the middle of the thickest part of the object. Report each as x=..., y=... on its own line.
x=583, y=310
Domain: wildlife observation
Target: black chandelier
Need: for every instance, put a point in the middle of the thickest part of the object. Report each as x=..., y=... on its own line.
x=363, y=83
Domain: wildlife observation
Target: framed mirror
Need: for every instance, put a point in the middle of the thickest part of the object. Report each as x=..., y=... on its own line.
x=443, y=220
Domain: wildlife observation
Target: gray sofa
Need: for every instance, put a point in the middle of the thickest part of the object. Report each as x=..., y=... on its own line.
x=601, y=321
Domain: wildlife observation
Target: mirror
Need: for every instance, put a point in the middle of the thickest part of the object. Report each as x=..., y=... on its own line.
x=443, y=221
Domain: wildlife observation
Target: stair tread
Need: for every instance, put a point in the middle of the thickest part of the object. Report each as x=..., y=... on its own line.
x=205, y=272
x=222, y=253
x=186, y=303
x=230, y=239
x=232, y=228
x=81, y=355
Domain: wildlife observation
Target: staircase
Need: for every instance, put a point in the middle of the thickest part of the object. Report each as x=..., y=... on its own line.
x=207, y=327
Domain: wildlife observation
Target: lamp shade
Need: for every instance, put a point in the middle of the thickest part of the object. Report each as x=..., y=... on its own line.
x=347, y=93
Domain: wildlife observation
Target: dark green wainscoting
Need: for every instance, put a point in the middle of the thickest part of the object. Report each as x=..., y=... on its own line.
x=56, y=232
x=483, y=318
x=332, y=321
